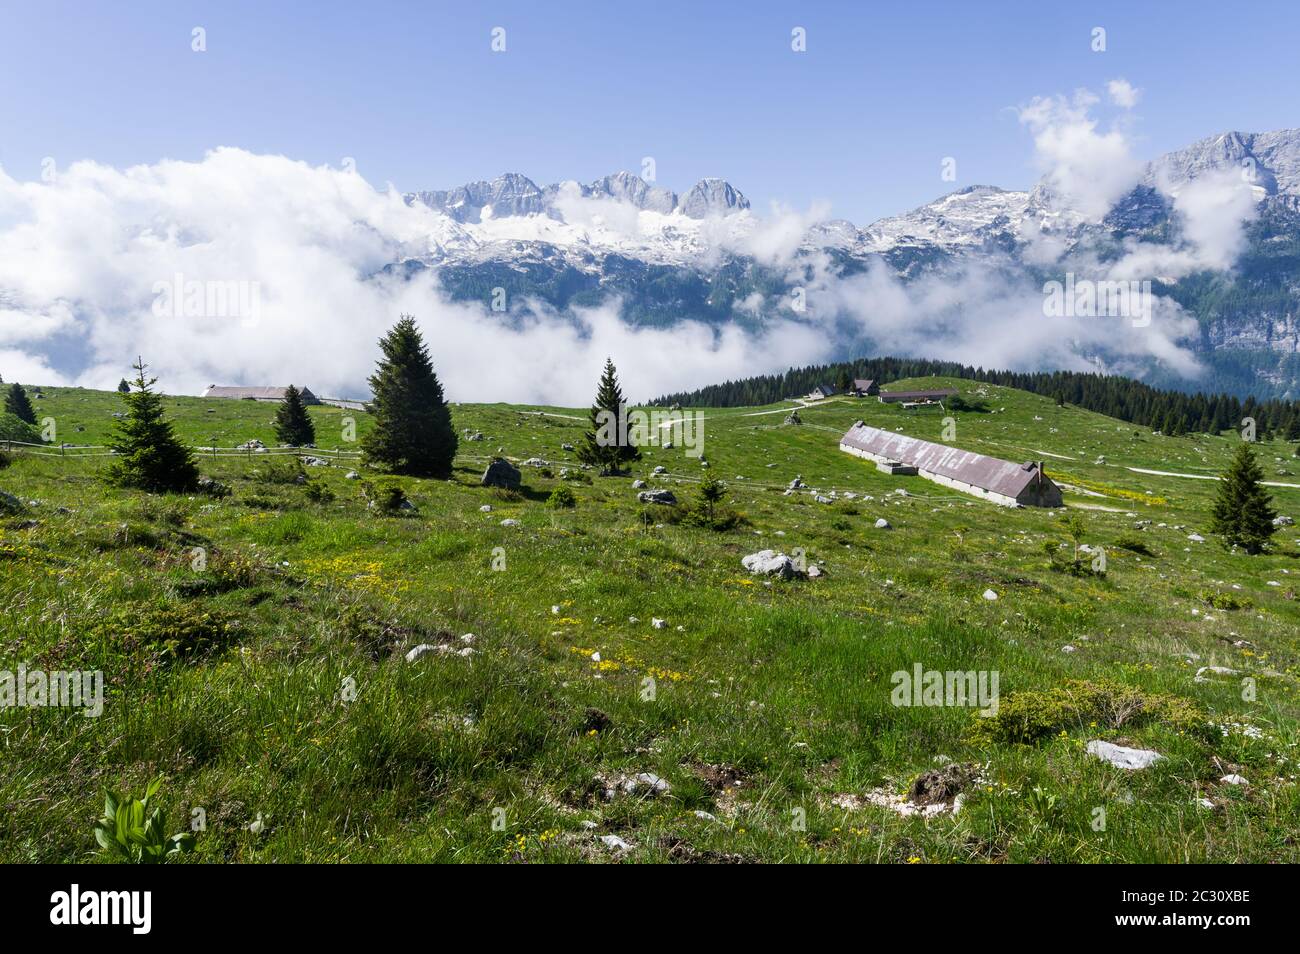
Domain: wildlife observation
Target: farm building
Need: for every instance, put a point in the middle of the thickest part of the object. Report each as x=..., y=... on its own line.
x=862, y=387
x=916, y=397
x=1001, y=481
x=256, y=394
x=821, y=391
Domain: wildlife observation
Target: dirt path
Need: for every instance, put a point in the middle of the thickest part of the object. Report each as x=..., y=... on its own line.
x=1170, y=473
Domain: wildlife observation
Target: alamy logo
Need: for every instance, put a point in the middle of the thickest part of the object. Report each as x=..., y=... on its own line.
x=934, y=687
x=37, y=689
x=179, y=298
x=103, y=907
x=640, y=428
x=1084, y=298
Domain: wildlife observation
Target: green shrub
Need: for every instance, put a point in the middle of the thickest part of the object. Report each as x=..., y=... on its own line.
x=1031, y=715
x=279, y=470
x=169, y=632
x=318, y=492
x=562, y=498
x=1134, y=544
x=1224, y=601
x=14, y=428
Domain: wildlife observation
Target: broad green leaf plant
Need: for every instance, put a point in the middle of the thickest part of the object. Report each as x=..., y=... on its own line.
x=134, y=831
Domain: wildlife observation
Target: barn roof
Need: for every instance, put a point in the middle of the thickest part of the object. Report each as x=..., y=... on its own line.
x=863, y=384
x=255, y=393
x=987, y=473
x=917, y=395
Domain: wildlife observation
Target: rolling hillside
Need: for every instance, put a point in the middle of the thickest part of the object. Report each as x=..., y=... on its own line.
x=754, y=722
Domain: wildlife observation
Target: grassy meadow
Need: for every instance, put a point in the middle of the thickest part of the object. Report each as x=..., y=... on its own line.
x=267, y=681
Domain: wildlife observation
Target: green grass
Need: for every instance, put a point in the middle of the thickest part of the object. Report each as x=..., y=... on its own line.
x=783, y=688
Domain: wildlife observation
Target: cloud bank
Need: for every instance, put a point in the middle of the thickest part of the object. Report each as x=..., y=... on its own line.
x=100, y=265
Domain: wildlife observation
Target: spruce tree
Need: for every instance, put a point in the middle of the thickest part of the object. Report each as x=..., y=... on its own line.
x=149, y=455
x=1243, y=513
x=123, y=387
x=412, y=433
x=607, y=445
x=19, y=405
x=292, y=425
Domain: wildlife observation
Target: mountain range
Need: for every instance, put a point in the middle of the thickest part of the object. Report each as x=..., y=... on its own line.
x=705, y=255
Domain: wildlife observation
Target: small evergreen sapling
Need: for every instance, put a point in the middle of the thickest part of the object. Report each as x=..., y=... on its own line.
x=1243, y=512
x=607, y=445
x=292, y=425
x=412, y=433
x=19, y=404
x=149, y=455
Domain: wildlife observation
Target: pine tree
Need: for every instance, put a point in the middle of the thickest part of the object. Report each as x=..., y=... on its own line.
x=292, y=425
x=123, y=387
x=1243, y=513
x=412, y=433
x=607, y=445
x=19, y=405
x=149, y=455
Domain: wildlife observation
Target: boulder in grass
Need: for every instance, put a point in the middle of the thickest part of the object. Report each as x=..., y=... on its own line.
x=666, y=497
x=1121, y=756
x=771, y=563
x=502, y=473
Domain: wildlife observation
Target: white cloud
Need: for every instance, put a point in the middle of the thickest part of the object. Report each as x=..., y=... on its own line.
x=1123, y=93
x=1085, y=169
x=80, y=259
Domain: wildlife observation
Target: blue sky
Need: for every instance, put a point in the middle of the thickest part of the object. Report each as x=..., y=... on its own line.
x=415, y=95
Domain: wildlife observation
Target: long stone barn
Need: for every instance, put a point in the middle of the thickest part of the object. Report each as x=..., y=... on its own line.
x=1001, y=481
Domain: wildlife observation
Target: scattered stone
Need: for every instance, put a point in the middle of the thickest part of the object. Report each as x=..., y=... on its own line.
x=659, y=469
x=352, y=475
x=990, y=595
x=815, y=571
x=486, y=508
x=502, y=473
x=566, y=447
x=1196, y=538
x=476, y=436
x=883, y=524
x=705, y=816
x=793, y=418
x=615, y=843
x=1282, y=521
x=638, y=484
x=658, y=623
x=510, y=522
x=1122, y=756
x=422, y=650
x=535, y=462
x=795, y=484
x=1233, y=779
x=315, y=462
x=771, y=563
x=1203, y=674
x=657, y=497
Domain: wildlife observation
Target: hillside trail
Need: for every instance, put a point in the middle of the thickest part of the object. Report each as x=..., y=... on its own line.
x=1170, y=473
